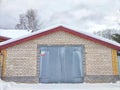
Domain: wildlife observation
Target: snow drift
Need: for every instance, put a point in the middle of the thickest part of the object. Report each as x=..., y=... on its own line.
x=85, y=86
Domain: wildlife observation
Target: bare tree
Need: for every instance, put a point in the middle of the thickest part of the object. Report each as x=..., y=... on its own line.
x=32, y=20
x=23, y=22
x=28, y=21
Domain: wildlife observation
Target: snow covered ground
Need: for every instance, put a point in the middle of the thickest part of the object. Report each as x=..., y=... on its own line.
x=84, y=86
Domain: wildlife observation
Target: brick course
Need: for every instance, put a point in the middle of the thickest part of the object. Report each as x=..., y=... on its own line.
x=22, y=59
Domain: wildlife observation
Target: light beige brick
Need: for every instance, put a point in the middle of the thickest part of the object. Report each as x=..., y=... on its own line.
x=22, y=58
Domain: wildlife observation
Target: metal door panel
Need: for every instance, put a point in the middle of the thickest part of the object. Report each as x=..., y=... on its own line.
x=50, y=65
x=54, y=67
x=44, y=64
x=61, y=64
x=77, y=65
x=72, y=65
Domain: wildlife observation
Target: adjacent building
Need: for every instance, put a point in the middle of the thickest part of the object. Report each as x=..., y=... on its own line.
x=3, y=38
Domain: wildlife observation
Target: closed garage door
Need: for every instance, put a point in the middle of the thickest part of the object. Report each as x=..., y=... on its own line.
x=61, y=64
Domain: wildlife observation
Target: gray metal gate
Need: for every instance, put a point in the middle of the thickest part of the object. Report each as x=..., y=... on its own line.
x=61, y=64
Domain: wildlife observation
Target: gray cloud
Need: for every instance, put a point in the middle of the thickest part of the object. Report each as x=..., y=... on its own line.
x=79, y=13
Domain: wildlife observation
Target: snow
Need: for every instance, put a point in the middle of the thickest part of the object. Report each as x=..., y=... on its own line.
x=69, y=27
x=28, y=35
x=83, y=86
x=12, y=33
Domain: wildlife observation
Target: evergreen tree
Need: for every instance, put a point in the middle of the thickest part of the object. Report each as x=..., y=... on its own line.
x=116, y=37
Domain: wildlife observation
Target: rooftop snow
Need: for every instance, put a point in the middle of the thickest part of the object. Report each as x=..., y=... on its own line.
x=46, y=29
x=13, y=33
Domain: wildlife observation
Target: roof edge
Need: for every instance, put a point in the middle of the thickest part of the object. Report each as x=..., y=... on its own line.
x=4, y=38
x=37, y=34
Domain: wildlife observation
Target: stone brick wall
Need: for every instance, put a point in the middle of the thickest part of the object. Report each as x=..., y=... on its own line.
x=22, y=59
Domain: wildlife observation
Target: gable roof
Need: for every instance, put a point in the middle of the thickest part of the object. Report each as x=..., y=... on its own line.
x=40, y=33
x=3, y=38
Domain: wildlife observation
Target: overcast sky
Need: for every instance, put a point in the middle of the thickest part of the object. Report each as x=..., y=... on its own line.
x=89, y=15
